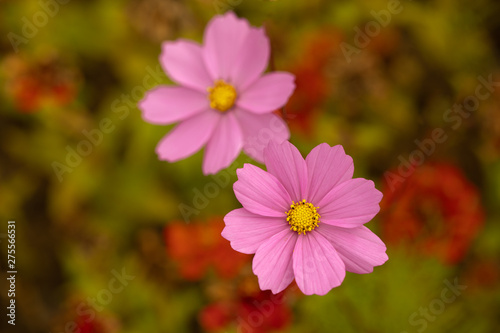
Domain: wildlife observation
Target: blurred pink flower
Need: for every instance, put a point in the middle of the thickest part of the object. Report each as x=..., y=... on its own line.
x=223, y=99
x=304, y=219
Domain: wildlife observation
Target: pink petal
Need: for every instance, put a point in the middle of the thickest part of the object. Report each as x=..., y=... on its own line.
x=247, y=231
x=252, y=59
x=188, y=137
x=166, y=104
x=183, y=61
x=359, y=248
x=224, y=145
x=259, y=130
x=350, y=204
x=223, y=40
x=260, y=192
x=316, y=265
x=272, y=262
x=268, y=93
x=327, y=166
x=285, y=162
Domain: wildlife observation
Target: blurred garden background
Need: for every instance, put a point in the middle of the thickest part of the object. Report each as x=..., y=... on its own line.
x=110, y=239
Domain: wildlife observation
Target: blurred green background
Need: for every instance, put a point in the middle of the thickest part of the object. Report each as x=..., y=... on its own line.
x=411, y=89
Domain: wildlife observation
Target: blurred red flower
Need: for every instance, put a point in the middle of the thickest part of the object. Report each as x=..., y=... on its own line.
x=257, y=313
x=97, y=324
x=436, y=210
x=483, y=274
x=198, y=247
x=31, y=85
x=216, y=316
x=263, y=312
x=312, y=83
x=92, y=326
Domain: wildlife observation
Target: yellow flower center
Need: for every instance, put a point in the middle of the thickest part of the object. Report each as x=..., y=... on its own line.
x=302, y=217
x=221, y=96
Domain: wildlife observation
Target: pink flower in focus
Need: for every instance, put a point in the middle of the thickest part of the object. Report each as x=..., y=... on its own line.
x=304, y=219
x=223, y=100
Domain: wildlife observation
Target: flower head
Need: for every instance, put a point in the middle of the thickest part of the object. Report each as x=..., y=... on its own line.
x=312, y=80
x=239, y=310
x=199, y=247
x=41, y=83
x=304, y=219
x=223, y=101
x=436, y=211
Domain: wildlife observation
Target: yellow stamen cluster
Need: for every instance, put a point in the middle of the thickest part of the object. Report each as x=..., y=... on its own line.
x=302, y=217
x=222, y=96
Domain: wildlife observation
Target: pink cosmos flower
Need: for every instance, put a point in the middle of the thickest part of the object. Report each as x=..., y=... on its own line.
x=304, y=219
x=223, y=100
